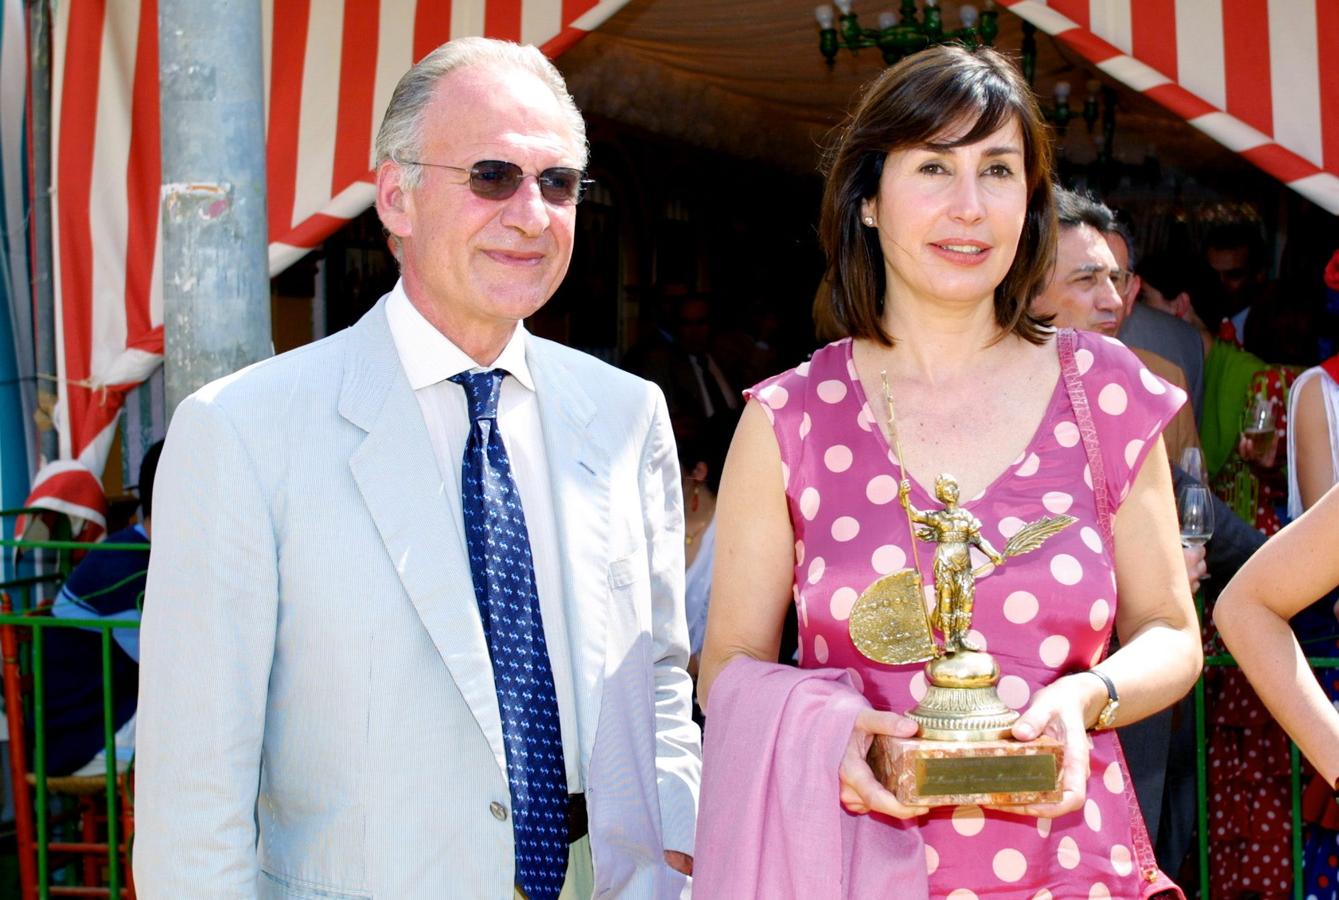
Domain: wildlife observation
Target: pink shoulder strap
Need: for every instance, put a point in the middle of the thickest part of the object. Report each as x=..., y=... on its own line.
x=1078, y=398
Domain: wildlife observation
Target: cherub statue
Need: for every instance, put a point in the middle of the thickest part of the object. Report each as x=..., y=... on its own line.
x=953, y=530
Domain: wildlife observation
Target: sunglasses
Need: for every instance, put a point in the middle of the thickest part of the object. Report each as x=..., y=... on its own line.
x=494, y=179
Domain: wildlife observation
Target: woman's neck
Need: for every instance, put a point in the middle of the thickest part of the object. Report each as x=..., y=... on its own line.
x=937, y=342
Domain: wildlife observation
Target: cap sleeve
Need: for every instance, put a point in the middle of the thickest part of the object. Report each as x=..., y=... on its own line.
x=1130, y=407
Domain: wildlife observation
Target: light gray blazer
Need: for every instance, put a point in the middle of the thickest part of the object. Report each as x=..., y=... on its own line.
x=317, y=716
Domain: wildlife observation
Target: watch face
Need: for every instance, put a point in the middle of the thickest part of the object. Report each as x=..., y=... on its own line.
x=1107, y=717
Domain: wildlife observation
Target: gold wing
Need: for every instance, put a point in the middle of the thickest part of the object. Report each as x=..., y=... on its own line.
x=1034, y=534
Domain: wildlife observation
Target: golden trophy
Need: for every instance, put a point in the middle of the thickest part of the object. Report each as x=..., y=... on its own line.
x=964, y=752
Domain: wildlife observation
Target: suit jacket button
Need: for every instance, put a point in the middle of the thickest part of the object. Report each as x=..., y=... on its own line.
x=498, y=810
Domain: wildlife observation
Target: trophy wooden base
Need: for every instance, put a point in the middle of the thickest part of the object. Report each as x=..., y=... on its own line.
x=925, y=772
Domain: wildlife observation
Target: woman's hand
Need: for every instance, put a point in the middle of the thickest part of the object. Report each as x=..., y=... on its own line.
x=861, y=792
x=1059, y=710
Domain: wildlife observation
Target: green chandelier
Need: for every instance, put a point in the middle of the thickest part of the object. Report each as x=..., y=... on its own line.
x=903, y=32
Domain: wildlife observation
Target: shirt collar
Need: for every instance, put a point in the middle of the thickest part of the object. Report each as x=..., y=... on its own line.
x=428, y=356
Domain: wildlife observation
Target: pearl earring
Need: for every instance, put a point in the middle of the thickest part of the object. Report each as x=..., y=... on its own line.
x=869, y=220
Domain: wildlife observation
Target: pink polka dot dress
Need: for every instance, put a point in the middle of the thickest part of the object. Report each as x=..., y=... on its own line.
x=1042, y=615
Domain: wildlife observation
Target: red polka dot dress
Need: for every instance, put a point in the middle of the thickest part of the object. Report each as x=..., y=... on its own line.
x=1042, y=615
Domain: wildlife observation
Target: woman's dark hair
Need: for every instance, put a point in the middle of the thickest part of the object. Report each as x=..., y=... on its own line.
x=915, y=104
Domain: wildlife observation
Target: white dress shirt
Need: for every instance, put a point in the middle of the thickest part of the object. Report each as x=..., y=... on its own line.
x=429, y=359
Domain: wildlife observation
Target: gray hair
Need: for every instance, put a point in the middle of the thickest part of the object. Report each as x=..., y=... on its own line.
x=401, y=134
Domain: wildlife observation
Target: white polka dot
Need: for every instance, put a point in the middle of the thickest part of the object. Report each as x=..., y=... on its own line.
x=1083, y=359
x=1010, y=526
x=1057, y=501
x=1042, y=894
x=1099, y=614
x=1054, y=650
x=1097, y=656
x=1099, y=891
x=1121, y=860
x=1009, y=865
x=821, y=650
x=844, y=529
x=1029, y=466
x=888, y=559
x=774, y=395
x=809, y=501
x=1088, y=476
x=1067, y=853
x=917, y=686
x=881, y=489
x=1092, y=815
x=1066, y=569
x=805, y=424
x=865, y=419
x=961, y=894
x=1020, y=607
x=931, y=859
x=832, y=391
x=816, y=569
x=1112, y=400
x=858, y=681
x=785, y=475
x=1152, y=383
x=803, y=369
x=1043, y=827
x=1067, y=434
x=1014, y=691
x=842, y=601
x=968, y=820
x=1114, y=779
x=977, y=638
x=837, y=458
x=1091, y=538
x=1132, y=451
x=803, y=606
x=799, y=553
x=850, y=370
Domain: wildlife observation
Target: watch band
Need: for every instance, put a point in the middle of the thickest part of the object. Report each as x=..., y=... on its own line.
x=1106, y=717
x=1111, y=688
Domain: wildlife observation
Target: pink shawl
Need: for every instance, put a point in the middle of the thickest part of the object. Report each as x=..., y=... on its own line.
x=771, y=824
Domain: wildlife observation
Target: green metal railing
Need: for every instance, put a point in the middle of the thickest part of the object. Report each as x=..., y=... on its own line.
x=1225, y=660
x=29, y=616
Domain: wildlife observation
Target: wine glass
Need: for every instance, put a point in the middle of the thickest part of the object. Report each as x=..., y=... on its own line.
x=1196, y=515
x=1259, y=428
x=1192, y=463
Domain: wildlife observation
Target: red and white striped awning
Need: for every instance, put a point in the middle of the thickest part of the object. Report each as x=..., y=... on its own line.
x=330, y=67
x=1259, y=76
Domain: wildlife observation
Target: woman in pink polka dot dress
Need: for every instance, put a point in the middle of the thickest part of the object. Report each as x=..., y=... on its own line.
x=952, y=201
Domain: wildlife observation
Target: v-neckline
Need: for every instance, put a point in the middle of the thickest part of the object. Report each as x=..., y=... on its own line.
x=1047, y=416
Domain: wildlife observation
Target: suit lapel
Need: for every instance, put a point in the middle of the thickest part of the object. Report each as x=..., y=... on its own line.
x=396, y=472
x=579, y=469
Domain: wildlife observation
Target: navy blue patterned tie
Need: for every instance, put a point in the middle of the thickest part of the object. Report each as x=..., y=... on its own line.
x=504, y=585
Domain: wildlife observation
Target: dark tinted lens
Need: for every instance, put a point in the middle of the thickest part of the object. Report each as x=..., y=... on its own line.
x=495, y=180
x=560, y=185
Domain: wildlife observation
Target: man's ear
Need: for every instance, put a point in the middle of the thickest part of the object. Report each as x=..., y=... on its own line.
x=393, y=201
x=1181, y=305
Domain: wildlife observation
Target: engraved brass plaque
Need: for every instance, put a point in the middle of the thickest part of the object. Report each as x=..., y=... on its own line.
x=985, y=774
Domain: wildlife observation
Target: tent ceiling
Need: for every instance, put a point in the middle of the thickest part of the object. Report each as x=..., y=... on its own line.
x=745, y=77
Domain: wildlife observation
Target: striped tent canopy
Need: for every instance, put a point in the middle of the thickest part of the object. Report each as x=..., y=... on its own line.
x=330, y=67
x=1259, y=76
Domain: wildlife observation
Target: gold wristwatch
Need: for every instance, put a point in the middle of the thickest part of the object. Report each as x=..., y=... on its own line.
x=1106, y=718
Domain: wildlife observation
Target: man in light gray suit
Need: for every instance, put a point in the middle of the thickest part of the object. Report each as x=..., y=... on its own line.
x=415, y=608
